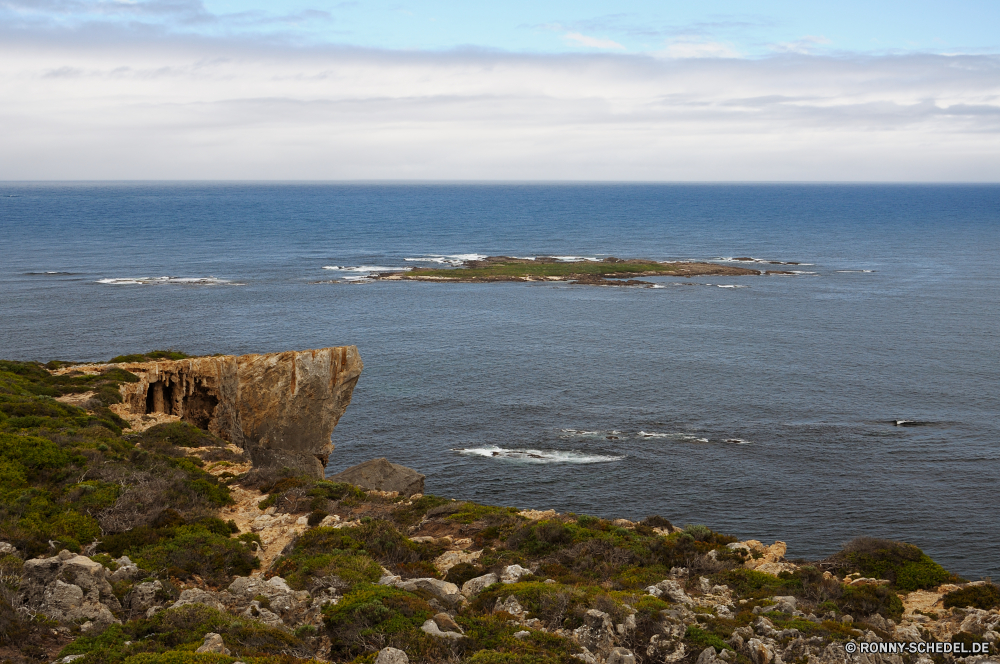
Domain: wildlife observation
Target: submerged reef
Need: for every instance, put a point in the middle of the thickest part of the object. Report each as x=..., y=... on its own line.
x=159, y=541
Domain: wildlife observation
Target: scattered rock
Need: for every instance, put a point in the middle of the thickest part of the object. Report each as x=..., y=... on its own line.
x=449, y=559
x=509, y=605
x=6, y=549
x=442, y=590
x=213, y=643
x=621, y=656
x=513, y=573
x=522, y=635
x=596, y=634
x=391, y=656
x=979, y=622
x=382, y=475
x=671, y=590
x=69, y=588
x=475, y=586
x=430, y=627
x=198, y=596
x=707, y=656
x=446, y=623
x=759, y=652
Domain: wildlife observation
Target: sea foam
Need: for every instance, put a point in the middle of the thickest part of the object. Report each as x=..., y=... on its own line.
x=537, y=456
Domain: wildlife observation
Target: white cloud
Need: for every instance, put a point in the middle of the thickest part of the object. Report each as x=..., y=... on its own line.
x=593, y=42
x=694, y=48
x=806, y=44
x=80, y=106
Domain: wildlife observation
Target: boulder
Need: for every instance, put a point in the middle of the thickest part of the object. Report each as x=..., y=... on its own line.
x=213, y=643
x=446, y=623
x=979, y=622
x=6, y=549
x=382, y=475
x=279, y=407
x=69, y=588
x=621, y=656
x=597, y=632
x=475, y=586
x=391, y=656
x=442, y=590
x=513, y=573
x=430, y=627
x=509, y=605
x=759, y=652
x=144, y=597
x=665, y=649
x=707, y=656
x=671, y=590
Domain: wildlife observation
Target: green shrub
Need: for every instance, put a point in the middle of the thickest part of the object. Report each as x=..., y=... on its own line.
x=702, y=639
x=984, y=597
x=151, y=355
x=904, y=565
x=865, y=600
x=177, y=434
x=372, y=612
x=186, y=551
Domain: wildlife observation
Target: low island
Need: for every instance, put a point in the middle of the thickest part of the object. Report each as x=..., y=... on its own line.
x=143, y=522
x=607, y=272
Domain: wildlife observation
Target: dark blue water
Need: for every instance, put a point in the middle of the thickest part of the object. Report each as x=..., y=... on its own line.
x=769, y=404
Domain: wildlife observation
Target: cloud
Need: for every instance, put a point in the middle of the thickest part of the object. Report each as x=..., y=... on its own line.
x=806, y=44
x=693, y=48
x=593, y=42
x=80, y=104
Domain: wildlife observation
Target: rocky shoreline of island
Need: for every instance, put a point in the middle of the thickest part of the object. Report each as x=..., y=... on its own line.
x=610, y=271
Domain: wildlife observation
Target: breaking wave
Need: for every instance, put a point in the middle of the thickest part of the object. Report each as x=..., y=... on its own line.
x=673, y=436
x=447, y=259
x=537, y=456
x=178, y=281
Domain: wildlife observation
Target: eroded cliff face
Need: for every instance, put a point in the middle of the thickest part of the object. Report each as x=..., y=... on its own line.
x=279, y=407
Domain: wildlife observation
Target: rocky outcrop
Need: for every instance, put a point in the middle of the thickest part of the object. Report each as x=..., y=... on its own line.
x=382, y=475
x=70, y=588
x=279, y=407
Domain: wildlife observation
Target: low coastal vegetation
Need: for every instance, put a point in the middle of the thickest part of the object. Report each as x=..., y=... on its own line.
x=144, y=524
x=609, y=271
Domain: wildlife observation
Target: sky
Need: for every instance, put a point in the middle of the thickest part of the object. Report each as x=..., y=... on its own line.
x=543, y=90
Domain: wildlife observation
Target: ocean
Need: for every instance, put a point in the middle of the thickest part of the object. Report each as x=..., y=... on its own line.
x=763, y=407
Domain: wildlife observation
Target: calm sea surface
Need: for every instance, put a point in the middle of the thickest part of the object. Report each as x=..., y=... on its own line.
x=760, y=406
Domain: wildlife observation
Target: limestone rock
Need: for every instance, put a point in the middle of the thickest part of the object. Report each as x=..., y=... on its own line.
x=665, y=649
x=597, y=632
x=6, y=549
x=707, y=656
x=391, y=656
x=759, y=652
x=671, y=590
x=449, y=559
x=621, y=656
x=475, y=586
x=509, y=605
x=382, y=475
x=430, y=627
x=442, y=590
x=198, y=596
x=513, y=573
x=144, y=596
x=279, y=407
x=69, y=588
x=446, y=623
x=979, y=622
x=213, y=643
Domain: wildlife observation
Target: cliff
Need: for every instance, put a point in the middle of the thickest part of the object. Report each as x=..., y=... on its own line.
x=280, y=408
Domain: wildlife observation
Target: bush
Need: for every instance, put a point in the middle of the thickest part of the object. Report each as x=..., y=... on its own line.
x=702, y=639
x=178, y=434
x=865, y=600
x=984, y=597
x=373, y=613
x=904, y=565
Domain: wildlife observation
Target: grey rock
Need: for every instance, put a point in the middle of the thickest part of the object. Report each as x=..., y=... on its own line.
x=6, y=549
x=759, y=652
x=587, y=657
x=665, y=649
x=475, y=586
x=671, y=590
x=143, y=596
x=522, y=635
x=513, y=573
x=707, y=656
x=263, y=614
x=391, y=656
x=621, y=656
x=907, y=633
x=198, y=596
x=382, y=475
x=442, y=590
x=979, y=622
x=69, y=588
x=596, y=634
x=430, y=627
x=509, y=605
x=213, y=643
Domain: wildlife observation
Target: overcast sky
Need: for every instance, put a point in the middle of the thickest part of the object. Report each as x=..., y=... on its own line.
x=584, y=90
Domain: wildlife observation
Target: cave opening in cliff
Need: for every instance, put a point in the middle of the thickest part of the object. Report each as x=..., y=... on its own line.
x=159, y=398
x=199, y=406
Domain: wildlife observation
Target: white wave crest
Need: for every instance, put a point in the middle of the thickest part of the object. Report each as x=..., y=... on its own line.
x=537, y=456
x=860, y=271
x=365, y=268
x=737, y=441
x=569, y=259
x=673, y=436
x=447, y=259
x=732, y=286
x=178, y=281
